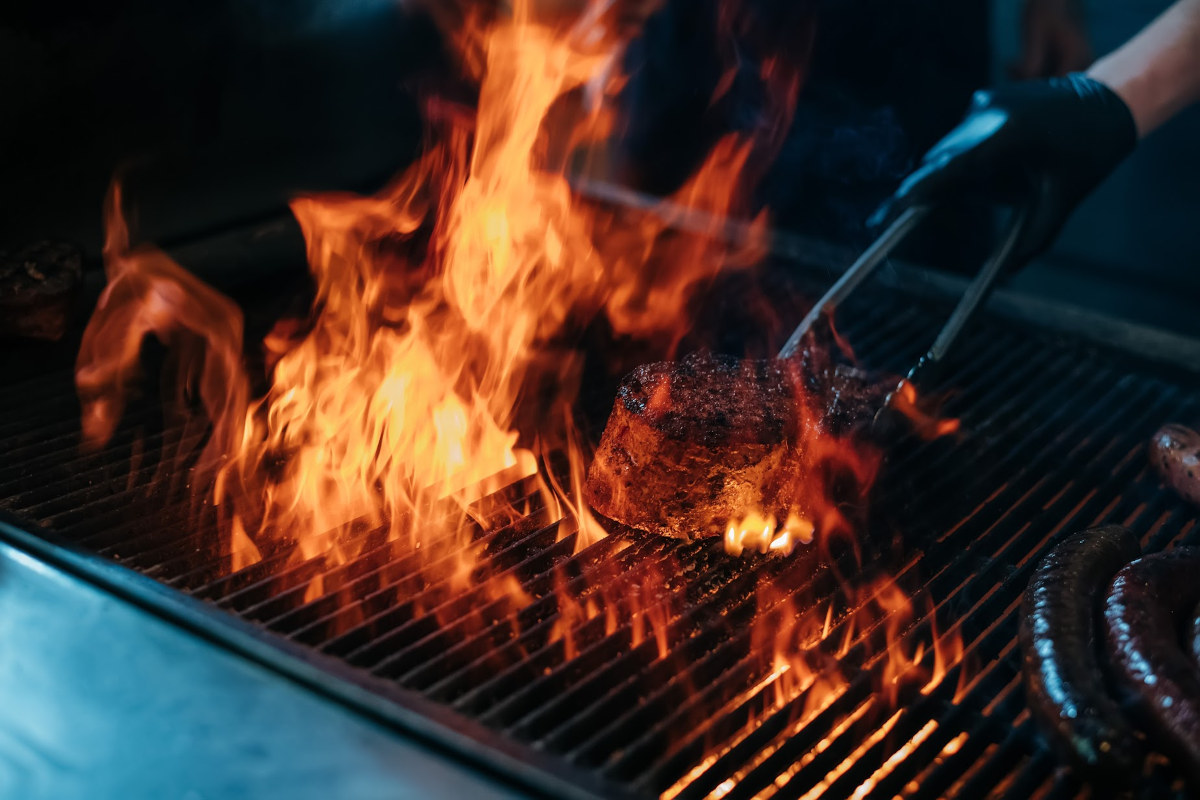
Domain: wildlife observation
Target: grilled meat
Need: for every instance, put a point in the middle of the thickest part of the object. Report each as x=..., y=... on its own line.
x=1175, y=454
x=1060, y=632
x=38, y=288
x=695, y=443
x=1147, y=601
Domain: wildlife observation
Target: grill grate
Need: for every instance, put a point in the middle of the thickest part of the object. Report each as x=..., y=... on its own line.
x=1054, y=443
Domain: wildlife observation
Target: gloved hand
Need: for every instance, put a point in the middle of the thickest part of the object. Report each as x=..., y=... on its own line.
x=1046, y=144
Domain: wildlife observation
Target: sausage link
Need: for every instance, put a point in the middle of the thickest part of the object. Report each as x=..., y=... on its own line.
x=1146, y=604
x=1060, y=634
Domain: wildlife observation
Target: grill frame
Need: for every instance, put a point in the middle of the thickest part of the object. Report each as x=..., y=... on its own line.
x=413, y=714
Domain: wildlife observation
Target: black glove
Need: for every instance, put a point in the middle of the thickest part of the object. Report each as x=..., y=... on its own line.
x=1046, y=144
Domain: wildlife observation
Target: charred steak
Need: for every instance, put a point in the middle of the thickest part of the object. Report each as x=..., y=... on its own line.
x=692, y=444
x=38, y=286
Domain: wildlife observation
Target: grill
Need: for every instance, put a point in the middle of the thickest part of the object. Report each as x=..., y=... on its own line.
x=1055, y=428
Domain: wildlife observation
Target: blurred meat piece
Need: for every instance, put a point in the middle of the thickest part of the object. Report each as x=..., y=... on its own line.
x=38, y=287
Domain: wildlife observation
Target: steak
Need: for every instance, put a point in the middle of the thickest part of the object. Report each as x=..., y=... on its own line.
x=38, y=288
x=693, y=444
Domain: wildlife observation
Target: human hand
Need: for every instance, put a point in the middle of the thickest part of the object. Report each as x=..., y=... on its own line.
x=1041, y=144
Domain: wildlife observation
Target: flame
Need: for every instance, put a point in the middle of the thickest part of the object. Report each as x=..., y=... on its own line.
x=440, y=363
x=442, y=304
x=811, y=646
x=927, y=425
x=809, y=642
x=822, y=477
x=147, y=293
x=766, y=535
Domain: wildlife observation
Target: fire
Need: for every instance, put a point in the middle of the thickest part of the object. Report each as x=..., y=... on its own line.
x=810, y=645
x=445, y=306
x=440, y=363
x=809, y=642
x=928, y=425
x=148, y=293
x=766, y=535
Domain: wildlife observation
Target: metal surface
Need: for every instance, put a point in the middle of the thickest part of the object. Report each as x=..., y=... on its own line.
x=929, y=366
x=979, y=289
x=100, y=699
x=496, y=767
x=1053, y=442
x=853, y=277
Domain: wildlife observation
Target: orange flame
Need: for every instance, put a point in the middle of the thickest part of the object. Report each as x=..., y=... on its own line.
x=926, y=424
x=439, y=363
x=807, y=644
x=440, y=303
x=766, y=535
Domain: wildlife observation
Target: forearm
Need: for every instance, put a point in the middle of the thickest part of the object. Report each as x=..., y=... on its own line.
x=1157, y=73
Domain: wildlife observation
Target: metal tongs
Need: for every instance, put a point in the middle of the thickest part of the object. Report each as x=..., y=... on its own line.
x=929, y=366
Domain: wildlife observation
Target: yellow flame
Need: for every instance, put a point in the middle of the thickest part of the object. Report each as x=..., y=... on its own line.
x=764, y=534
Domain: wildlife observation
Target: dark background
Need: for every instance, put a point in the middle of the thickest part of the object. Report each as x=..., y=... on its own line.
x=216, y=112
